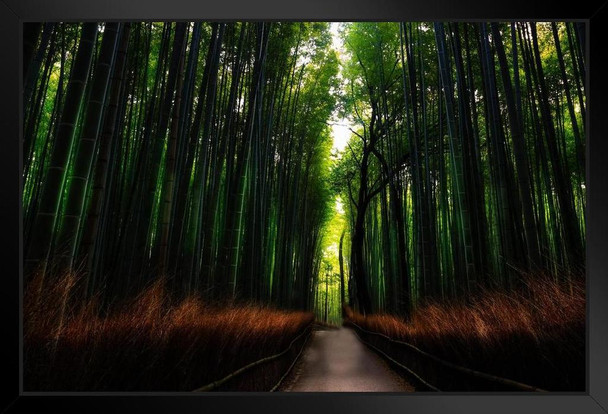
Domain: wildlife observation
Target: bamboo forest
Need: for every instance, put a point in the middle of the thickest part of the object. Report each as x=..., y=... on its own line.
x=212, y=205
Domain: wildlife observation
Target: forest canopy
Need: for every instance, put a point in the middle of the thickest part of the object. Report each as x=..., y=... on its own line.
x=206, y=153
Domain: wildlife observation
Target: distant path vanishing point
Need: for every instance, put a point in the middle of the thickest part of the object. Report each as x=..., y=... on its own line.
x=335, y=360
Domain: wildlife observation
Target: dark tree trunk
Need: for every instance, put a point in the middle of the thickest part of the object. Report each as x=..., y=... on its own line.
x=520, y=152
x=46, y=218
x=85, y=147
x=100, y=176
x=575, y=249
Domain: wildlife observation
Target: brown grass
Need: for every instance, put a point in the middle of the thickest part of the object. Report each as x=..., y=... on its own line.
x=535, y=335
x=147, y=344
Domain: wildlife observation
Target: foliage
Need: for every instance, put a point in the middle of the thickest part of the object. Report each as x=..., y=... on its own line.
x=201, y=152
x=150, y=342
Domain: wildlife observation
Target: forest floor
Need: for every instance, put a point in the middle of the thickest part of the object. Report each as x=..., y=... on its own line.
x=153, y=343
x=150, y=343
x=535, y=336
x=336, y=361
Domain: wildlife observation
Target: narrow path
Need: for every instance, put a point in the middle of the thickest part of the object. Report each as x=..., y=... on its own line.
x=335, y=360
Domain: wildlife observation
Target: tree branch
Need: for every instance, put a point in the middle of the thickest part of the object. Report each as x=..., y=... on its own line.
x=350, y=192
x=386, y=179
x=354, y=154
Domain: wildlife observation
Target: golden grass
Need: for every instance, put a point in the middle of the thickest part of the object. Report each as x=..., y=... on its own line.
x=536, y=334
x=149, y=343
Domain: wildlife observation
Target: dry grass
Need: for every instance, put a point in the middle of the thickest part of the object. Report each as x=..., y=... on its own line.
x=147, y=344
x=536, y=335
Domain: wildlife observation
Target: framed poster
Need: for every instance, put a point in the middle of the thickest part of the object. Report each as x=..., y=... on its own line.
x=362, y=208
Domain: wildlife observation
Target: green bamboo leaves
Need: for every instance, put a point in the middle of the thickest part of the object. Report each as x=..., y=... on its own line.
x=464, y=170
x=201, y=152
x=196, y=152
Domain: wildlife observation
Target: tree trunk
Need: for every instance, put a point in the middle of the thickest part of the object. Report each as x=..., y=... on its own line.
x=341, y=261
x=108, y=135
x=85, y=147
x=46, y=219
